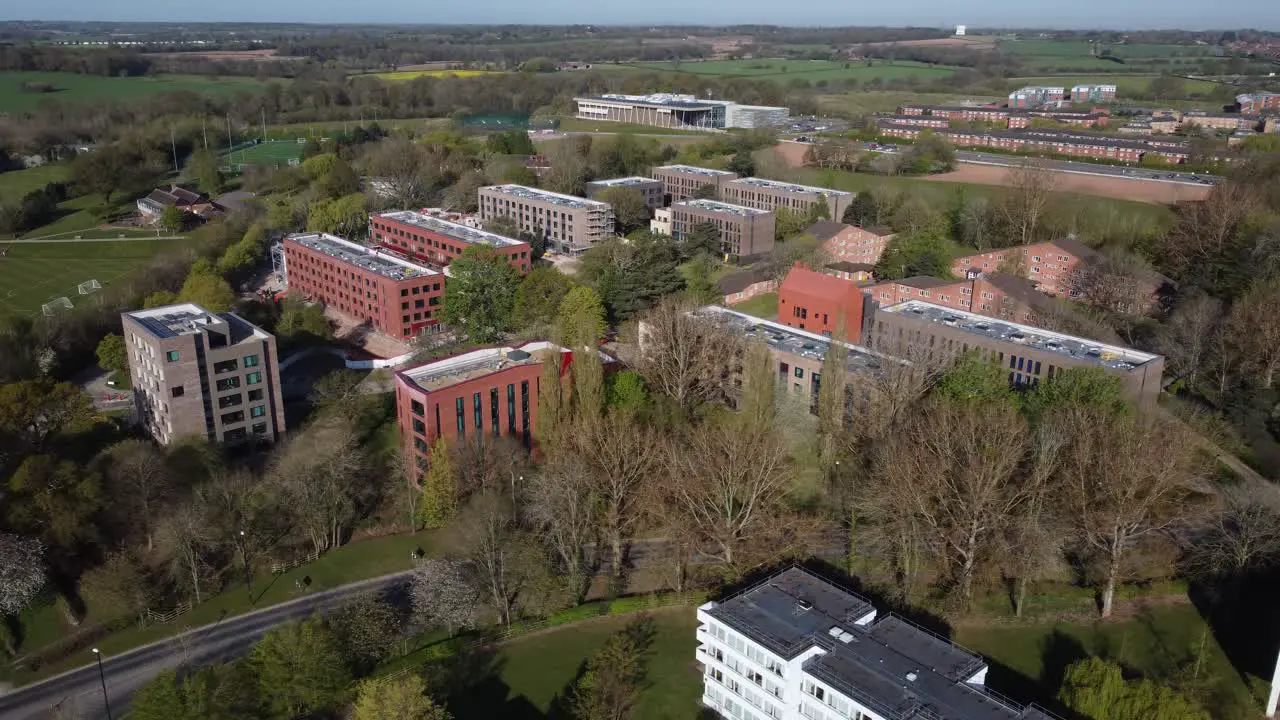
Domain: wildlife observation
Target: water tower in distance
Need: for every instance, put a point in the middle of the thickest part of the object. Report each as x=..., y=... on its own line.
x=960, y=29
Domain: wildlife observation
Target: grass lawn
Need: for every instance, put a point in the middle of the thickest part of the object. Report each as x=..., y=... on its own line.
x=293, y=131
x=1160, y=640
x=812, y=70
x=762, y=306
x=34, y=274
x=529, y=673
x=16, y=183
x=268, y=153
x=71, y=87
x=358, y=561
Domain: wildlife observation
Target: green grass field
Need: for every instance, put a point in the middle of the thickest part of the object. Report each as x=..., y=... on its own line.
x=811, y=70
x=872, y=101
x=532, y=672
x=70, y=87
x=34, y=274
x=16, y=183
x=268, y=153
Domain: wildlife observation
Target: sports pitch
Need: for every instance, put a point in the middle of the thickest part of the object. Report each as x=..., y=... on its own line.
x=276, y=152
x=36, y=273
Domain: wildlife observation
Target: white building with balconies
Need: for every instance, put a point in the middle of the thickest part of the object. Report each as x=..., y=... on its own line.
x=797, y=646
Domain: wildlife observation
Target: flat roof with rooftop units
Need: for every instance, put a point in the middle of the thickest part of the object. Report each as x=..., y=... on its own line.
x=457, y=231
x=623, y=182
x=528, y=193
x=189, y=319
x=694, y=170
x=1109, y=356
x=370, y=259
x=789, y=340
x=788, y=187
x=721, y=207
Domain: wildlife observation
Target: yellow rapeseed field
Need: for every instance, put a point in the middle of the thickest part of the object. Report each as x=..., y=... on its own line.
x=411, y=74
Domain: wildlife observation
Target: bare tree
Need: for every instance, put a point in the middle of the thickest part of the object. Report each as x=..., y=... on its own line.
x=443, y=592
x=1187, y=337
x=402, y=166
x=1124, y=481
x=685, y=356
x=1206, y=229
x=1254, y=329
x=1023, y=206
x=1119, y=281
x=497, y=549
x=621, y=458
x=1035, y=532
x=958, y=464
x=1242, y=534
x=184, y=538
x=139, y=482
x=729, y=483
x=319, y=475
x=564, y=508
x=756, y=403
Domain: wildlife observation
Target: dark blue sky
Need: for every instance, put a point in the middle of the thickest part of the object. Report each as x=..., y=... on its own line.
x=1109, y=14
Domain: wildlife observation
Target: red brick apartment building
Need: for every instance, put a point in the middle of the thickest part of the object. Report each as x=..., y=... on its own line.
x=851, y=243
x=1075, y=144
x=998, y=296
x=821, y=303
x=438, y=242
x=397, y=297
x=1050, y=266
x=484, y=393
x=1258, y=103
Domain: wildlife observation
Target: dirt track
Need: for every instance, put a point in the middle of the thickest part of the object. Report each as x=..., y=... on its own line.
x=1149, y=191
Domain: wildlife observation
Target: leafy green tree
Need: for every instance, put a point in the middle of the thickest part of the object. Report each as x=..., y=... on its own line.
x=580, y=321
x=973, y=379
x=862, y=210
x=160, y=699
x=743, y=164
x=914, y=254
x=1091, y=387
x=300, y=669
x=203, y=168
x=627, y=393
x=464, y=195
x=629, y=208
x=539, y=295
x=244, y=254
x=515, y=142
x=703, y=239
x=698, y=280
x=367, y=630
x=318, y=166
x=539, y=65
x=610, y=686
x=341, y=180
x=504, y=225
x=1096, y=689
x=817, y=211
x=35, y=415
x=480, y=296
x=788, y=223
x=344, y=216
x=302, y=322
x=99, y=172
x=207, y=290
x=439, y=498
x=159, y=298
x=631, y=276
x=404, y=698
x=112, y=354
x=222, y=692
x=929, y=154
x=55, y=500
x=173, y=219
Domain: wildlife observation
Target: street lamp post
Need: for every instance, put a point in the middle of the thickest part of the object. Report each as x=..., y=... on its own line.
x=244, y=559
x=102, y=677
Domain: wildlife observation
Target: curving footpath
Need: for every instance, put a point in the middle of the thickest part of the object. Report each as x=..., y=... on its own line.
x=78, y=693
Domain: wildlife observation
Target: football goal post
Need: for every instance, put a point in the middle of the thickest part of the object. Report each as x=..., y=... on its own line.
x=89, y=286
x=56, y=305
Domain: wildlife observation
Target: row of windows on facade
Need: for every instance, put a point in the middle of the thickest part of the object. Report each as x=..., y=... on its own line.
x=417, y=289
x=832, y=700
x=238, y=434
x=232, y=383
x=477, y=414
x=493, y=203
x=727, y=700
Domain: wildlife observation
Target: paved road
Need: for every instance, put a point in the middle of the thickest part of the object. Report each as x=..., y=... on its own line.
x=78, y=693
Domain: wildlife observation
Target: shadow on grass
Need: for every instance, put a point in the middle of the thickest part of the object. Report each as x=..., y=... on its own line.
x=471, y=684
x=1242, y=617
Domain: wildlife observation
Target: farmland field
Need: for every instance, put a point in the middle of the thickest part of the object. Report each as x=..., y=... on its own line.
x=33, y=274
x=812, y=70
x=71, y=87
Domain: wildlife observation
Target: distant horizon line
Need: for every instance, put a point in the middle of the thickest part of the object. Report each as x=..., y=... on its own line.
x=637, y=25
